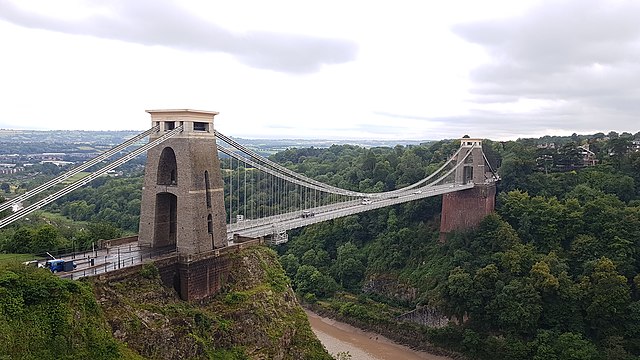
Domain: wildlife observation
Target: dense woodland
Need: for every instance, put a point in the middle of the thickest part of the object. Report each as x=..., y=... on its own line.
x=553, y=274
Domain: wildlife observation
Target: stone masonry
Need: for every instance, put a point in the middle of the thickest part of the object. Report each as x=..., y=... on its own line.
x=464, y=210
x=182, y=197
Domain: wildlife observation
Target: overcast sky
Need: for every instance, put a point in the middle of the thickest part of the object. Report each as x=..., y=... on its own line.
x=499, y=69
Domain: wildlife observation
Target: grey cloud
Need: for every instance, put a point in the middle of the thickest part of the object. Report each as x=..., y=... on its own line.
x=569, y=118
x=562, y=34
x=166, y=24
x=584, y=53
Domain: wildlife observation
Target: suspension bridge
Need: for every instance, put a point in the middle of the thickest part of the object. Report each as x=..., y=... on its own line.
x=202, y=189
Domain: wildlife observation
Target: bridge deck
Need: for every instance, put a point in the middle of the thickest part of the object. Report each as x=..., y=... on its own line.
x=292, y=220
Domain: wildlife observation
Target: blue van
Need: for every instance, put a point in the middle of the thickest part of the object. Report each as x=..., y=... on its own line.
x=60, y=265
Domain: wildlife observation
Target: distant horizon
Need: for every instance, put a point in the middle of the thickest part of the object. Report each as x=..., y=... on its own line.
x=337, y=138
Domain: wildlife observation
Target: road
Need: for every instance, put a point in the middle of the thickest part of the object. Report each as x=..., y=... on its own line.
x=288, y=221
x=96, y=262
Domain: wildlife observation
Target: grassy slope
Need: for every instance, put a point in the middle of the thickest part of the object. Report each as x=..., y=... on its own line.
x=44, y=317
x=256, y=317
x=18, y=258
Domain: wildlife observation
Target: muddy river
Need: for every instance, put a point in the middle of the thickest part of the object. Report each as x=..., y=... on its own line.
x=361, y=345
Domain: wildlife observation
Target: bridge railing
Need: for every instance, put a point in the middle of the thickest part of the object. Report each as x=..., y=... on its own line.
x=354, y=208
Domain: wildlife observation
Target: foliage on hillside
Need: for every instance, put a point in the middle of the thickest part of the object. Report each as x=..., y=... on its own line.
x=55, y=234
x=256, y=317
x=44, y=317
x=554, y=274
x=110, y=200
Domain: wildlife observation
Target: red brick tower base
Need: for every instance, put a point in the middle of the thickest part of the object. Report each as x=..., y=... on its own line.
x=203, y=278
x=195, y=278
x=464, y=210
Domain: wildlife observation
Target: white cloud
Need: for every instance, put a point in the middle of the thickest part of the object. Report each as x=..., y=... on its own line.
x=407, y=69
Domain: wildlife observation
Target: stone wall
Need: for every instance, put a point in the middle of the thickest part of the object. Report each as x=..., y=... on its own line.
x=105, y=244
x=201, y=279
x=464, y=210
x=195, y=277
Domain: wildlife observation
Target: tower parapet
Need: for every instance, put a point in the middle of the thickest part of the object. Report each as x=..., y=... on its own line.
x=195, y=123
x=473, y=168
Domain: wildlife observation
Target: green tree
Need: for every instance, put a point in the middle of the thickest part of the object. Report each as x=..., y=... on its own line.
x=309, y=280
x=318, y=258
x=517, y=307
x=290, y=264
x=47, y=238
x=608, y=296
x=5, y=212
x=21, y=241
x=565, y=346
x=458, y=293
x=348, y=267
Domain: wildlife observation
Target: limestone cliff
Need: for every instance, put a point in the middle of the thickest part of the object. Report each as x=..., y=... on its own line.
x=256, y=316
x=390, y=287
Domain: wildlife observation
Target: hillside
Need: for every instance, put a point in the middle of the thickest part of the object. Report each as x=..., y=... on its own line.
x=554, y=274
x=44, y=317
x=256, y=317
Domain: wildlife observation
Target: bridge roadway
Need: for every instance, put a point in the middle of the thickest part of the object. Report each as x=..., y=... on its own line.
x=292, y=220
x=99, y=261
x=96, y=262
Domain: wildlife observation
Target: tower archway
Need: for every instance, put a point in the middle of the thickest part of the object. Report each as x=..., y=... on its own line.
x=167, y=167
x=166, y=219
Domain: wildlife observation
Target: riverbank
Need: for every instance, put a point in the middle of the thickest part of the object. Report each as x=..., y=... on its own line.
x=362, y=345
x=379, y=319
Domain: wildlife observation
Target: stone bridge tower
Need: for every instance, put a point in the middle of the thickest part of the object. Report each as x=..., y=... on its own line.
x=464, y=210
x=183, y=198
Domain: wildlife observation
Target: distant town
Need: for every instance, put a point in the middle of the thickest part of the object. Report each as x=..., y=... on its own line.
x=23, y=148
x=28, y=154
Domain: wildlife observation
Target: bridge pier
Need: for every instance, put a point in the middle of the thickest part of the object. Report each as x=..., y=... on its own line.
x=201, y=278
x=198, y=277
x=464, y=210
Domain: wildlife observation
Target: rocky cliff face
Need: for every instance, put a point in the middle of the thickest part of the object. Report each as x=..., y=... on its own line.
x=256, y=316
x=390, y=287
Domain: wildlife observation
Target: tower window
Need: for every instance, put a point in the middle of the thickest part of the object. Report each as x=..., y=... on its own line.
x=207, y=187
x=169, y=125
x=199, y=126
x=210, y=224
